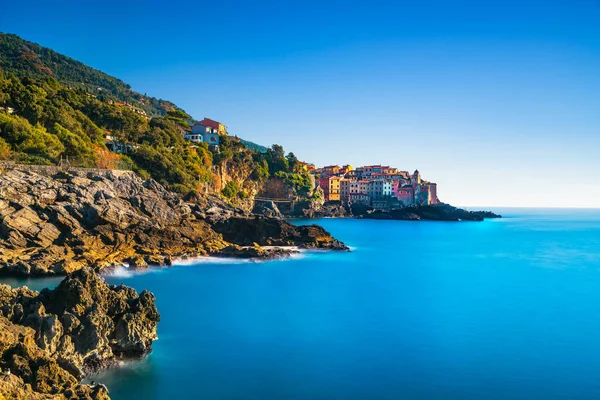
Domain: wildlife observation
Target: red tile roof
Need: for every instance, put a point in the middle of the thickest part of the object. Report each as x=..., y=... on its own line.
x=210, y=123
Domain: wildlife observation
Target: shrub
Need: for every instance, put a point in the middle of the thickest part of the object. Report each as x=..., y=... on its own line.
x=230, y=190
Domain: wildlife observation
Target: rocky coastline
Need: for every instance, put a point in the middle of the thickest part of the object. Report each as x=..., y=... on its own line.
x=334, y=209
x=51, y=340
x=54, y=222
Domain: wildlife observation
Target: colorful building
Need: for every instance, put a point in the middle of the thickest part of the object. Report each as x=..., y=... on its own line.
x=305, y=167
x=330, y=170
x=380, y=189
x=345, y=189
x=361, y=198
x=345, y=169
x=203, y=134
x=334, y=188
x=323, y=183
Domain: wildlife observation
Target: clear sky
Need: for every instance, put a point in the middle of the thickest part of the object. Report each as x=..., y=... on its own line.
x=496, y=101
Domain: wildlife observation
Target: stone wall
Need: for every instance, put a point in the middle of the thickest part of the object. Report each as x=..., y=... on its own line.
x=50, y=170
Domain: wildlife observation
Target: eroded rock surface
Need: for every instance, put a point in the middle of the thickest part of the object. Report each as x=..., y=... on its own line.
x=52, y=339
x=61, y=222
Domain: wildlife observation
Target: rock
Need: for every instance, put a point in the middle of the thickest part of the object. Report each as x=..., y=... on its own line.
x=256, y=252
x=318, y=209
x=268, y=209
x=52, y=339
x=247, y=231
x=438, y=212
x=61, y=223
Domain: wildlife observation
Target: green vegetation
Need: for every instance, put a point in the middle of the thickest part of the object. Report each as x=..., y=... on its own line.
x=51, y=121
x=53, y=108
x=26, y=59
x=231, y=190
x=300, y=182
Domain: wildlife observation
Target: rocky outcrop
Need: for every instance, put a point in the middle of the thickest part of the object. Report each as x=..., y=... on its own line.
x=439, y=212
x=257, y=252
x=262, y=231
x=62, y=221
x=267, y=208
x=316, y=209
x=52, y=339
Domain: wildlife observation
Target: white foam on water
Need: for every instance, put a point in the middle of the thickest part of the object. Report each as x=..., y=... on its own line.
x=124, y=271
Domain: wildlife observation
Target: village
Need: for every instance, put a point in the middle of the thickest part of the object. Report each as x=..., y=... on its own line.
x=378, y=186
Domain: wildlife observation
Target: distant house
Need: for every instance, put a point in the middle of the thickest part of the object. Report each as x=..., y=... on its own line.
x=115, y=145
x=217, y=126
x=304, y=166
x=330, y=170
x=201, y=133
x=130, y=106
x=406, y=195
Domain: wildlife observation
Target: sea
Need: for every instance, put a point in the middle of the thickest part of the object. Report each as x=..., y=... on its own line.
x=502, y=309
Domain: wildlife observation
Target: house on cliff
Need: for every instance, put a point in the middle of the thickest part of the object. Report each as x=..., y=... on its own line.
x=206, y=131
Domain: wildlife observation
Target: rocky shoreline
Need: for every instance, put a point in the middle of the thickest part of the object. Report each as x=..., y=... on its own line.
x=56, y=222
x=313, y=209
x=51, y=340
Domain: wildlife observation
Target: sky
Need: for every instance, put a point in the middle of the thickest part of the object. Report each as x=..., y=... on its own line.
x=498, y=102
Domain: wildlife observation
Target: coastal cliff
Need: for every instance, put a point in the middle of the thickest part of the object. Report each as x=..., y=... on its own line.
x=55, y=221
x=52, y=339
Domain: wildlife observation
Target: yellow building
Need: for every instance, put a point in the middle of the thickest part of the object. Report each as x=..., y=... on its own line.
x=334, y=188
x=346, y=168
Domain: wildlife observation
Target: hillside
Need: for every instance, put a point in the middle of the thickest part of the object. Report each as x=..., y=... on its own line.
x=27, y=59
x=48, y=113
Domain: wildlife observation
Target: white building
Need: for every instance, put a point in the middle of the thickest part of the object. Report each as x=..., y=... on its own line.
x=202, y=134
x=380, y=189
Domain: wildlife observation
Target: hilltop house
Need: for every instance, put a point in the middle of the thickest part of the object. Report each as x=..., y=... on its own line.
x=206, y=131
x=217, y=126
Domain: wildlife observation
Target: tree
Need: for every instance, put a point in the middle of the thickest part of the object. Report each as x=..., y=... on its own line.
x=261, y=171
x=276, y=159
x=178, y=114
x=292, y=162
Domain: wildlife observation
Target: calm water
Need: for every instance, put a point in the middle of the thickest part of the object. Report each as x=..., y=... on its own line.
x=504, y=309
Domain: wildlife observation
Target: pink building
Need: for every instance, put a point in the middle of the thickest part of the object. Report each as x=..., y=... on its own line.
x=433, y=193
x=406, y=195
x=323, y=182
x=395, y=188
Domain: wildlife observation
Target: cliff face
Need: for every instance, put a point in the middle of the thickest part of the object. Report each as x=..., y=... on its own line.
x=239, y=173
x=56, y=222
x=52, y=339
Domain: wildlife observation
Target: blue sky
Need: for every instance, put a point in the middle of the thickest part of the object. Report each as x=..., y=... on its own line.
x=496, y=101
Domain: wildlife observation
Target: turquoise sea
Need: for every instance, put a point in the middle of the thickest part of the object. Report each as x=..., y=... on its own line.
x=502, y=309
